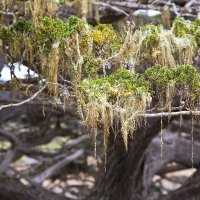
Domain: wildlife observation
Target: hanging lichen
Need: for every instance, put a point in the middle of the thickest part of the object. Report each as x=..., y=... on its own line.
x=120, y=96
x=102, y=65
x=41, y=8
x=83, y=8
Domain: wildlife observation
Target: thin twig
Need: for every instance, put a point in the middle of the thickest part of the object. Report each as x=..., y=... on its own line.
x=25, y=101
x=169, y=114
x=165, y=109
x=65, y=80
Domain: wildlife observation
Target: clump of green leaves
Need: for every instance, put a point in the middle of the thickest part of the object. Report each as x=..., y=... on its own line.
x=51, y=29
x=187, y=81
x=125, y=95
x=181, y=27
x=44, y=31
x=169, y=48
x=183, y=80
x=185, y=75
x=6, y=35
x=181, y=75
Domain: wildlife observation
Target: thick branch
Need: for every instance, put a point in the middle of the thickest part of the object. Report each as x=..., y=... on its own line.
x=55, y=168
x=73, y=142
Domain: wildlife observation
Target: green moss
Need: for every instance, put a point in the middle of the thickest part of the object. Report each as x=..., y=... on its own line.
x=151, y=37
x=75, y=24
x=105, y=39
x=122, y=83
x=185, y=75
x=182, y=75
x=185, y=80
x=182, y=28
x=47, y=31
x=91, y=66
x=22, y=26
x=6, y=35
x=103, y=33
x=120, y=97
x=159, y=76
x=55, y=28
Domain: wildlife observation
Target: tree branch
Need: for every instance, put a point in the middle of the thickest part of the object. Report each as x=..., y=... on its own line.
x=55, y=168
x=10, y=154
x=169, y=114
x=25, y=101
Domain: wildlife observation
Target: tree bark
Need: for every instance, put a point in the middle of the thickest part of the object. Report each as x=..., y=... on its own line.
x=124, y=173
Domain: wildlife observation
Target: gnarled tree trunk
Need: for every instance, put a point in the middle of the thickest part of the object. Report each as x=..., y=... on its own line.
x=124, y=173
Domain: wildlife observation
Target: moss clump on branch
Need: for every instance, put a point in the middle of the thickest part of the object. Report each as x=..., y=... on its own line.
x=45, y=31
x=151, y=37
x=151, y=44
x=105, y=38
x=120, y=99
x=183, y=81
x=114, y=100
x=36, y=42
x=75, y=40
x=182, y=28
